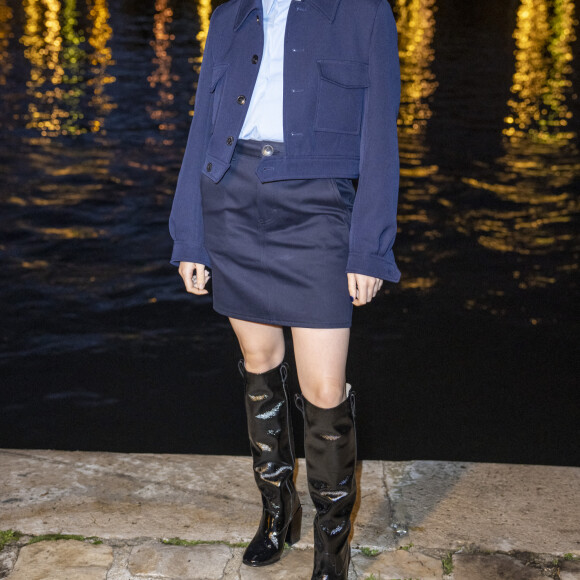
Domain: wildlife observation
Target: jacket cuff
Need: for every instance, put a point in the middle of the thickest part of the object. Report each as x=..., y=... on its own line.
x=380, y=267
x=184, y=252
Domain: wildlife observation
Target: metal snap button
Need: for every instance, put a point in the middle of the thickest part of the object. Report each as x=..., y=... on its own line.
x=241, y=99
x=267, y=150
x=208, y=167
x=255, y=59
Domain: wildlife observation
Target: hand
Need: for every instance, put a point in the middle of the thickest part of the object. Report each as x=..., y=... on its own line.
x=195, y=277
x=363, y=288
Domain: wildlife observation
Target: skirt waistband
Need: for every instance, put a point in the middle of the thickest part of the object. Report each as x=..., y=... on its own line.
x=256, y=148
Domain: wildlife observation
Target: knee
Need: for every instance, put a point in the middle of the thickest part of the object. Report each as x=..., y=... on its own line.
x=324, y=393
x=262, y=359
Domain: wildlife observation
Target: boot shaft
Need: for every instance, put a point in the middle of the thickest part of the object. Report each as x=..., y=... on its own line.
x=330, y=449
x=329, y=440
x=268, y=415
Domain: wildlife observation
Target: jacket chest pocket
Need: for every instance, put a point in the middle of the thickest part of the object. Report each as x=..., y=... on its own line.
x=340, y=100
x=216, y=87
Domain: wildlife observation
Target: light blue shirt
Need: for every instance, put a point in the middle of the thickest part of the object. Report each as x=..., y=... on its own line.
x=264, y=117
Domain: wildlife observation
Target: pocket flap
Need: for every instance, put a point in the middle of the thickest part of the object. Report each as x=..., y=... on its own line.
x=346, y=73
x=217, y=74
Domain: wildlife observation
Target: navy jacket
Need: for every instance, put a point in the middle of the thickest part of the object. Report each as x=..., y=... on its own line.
x=342, y=91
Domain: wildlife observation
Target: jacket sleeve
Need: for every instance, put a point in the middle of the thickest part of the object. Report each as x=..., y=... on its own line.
x=186, y=220
x=374, y=215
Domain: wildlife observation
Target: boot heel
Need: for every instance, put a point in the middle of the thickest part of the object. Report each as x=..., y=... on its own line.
x=295, y=527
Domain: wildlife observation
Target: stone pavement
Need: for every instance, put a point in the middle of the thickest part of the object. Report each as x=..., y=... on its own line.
x=145, y=517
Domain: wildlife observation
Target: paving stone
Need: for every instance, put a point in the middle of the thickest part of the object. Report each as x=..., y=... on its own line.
x=398, y=564
x=295, y=564
x=492, y=567
x=7, y=560
x=232, y=569
x=118, y=569
x=569, y=570
x=62, y=560
x=497, y=507
x=203, y=562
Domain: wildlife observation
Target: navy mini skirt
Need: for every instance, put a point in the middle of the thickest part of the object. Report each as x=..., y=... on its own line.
x=278, y=249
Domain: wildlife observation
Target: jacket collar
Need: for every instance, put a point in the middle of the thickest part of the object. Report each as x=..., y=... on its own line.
x=327, y=7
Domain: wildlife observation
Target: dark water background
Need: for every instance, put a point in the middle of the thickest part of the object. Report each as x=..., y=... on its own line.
x=472, y=356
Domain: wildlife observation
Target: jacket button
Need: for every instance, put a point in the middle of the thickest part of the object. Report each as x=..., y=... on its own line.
x=208, y=167
x=241, y=99
x=255, y=59
x=229, y=140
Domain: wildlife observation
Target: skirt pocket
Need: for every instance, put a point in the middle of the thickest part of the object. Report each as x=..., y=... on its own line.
x=344, y=192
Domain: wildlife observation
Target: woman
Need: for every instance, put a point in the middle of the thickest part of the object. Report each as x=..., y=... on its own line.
x=296, y=98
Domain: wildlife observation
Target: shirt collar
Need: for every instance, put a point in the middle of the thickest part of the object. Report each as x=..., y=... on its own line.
x=268, y=5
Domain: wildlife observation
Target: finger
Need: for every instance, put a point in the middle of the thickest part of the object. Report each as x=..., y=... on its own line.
x=186, y=271
x=352, y=287
x=365, y=285
x=196, y=290
x=361, y=284
x=370, y=289
x=376, y=287
x=201, y=276
x=200, y=279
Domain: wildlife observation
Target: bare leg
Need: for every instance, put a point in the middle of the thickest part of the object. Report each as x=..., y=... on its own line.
x=321, y=364
x=262, y=344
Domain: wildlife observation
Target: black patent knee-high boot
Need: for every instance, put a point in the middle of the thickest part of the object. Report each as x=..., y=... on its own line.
x=272, y=445
x=330, y=449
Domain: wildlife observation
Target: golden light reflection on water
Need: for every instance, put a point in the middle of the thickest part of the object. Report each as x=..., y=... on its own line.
x=78, y=232
x=51, y=109
x=6, y=16
x=420, y=283
x=55, y=197
x=73, y=57
x=34, y=264
x=541, y=83
x=101, y=59
x=162, y=78
x=58, y=61
x=204, y=10
x=534, y=182
x=537, y=172
x=416, y=28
